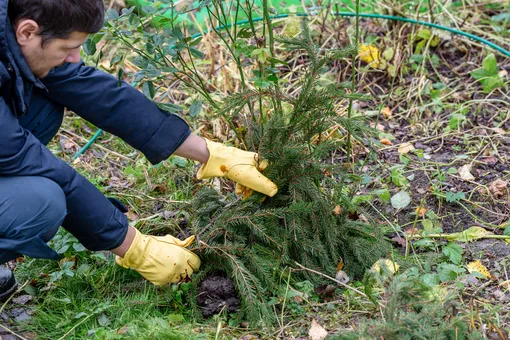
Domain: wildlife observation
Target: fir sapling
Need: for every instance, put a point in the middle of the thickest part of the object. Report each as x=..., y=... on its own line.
x=253, y=240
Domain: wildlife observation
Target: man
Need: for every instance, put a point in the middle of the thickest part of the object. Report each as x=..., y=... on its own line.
x=40, y=74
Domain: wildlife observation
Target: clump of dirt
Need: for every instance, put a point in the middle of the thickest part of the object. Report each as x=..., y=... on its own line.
x=217, y=293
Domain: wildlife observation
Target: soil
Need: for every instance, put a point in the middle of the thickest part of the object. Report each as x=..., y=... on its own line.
x=217, y=293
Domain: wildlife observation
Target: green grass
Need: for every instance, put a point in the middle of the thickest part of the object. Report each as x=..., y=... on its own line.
x=93, y=297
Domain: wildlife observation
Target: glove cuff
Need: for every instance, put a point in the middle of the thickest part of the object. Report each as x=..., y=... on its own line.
x=135, y=254
x=214, y=166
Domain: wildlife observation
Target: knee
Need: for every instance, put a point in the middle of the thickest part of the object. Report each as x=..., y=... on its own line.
x=52, y=207
x=50, y=199
x=36, y=205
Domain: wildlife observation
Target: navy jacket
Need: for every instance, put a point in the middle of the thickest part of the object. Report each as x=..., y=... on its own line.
x=97, y=97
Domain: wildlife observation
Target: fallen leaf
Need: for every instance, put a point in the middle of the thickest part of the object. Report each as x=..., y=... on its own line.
x=392, y=266
x=499, y=131
x=400, y=200
x=370, y=55
x=498, y=188
x=386, y=112
x=123, y=330
x=340, y=265
x=502, y=73
x=505, y=284
x=219, y=127
x=298, y=299
x=421, y=211
x=490, y=160
x=401, y=241
x=471, y=234
x=405, y=148
x=22, y=300
x=342, y=276
x=325, y=291
x=363, y=218
x=166, y=214
x=316, y=331
x=380, y=127
x=338, y=210
x=412, y=231
x=249, y=337
x=68, y=145
x=386, y=141
x=478, y=267
x=465, y=173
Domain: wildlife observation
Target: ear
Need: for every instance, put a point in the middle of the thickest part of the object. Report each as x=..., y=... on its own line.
x=26, y=31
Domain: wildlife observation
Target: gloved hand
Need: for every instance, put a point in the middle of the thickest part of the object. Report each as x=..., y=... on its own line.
x=243, y=167
x=160, y=259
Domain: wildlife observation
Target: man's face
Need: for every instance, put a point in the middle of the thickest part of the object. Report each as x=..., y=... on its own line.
x=55, y=52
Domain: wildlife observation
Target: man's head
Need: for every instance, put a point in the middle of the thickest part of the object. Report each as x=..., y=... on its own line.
x=51, y=32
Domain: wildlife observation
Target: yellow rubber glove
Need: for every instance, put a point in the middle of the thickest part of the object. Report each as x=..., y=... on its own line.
x=160, y=259
x=243, y=167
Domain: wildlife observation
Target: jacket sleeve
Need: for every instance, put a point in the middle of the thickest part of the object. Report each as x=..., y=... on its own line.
x=118, y=108
x=90, y=213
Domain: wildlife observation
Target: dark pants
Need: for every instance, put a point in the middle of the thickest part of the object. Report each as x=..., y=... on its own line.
x=32, y=208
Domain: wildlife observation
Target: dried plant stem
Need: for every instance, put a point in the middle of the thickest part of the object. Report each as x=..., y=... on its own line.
x=334, y=280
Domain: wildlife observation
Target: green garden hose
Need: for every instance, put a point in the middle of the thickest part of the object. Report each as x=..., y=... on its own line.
x=341, y=14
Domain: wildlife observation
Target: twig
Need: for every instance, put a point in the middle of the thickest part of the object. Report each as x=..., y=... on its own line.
x=74, y=327
x=12, y=332
x=5, y=304
x=334, y=280
x=12, y=295
x=98, y=146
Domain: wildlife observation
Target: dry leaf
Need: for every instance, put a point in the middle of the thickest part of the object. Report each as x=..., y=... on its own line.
x=393, y=267
x=363, y=218
x=465, y=173
x=502, y=73
x=325, y=291
x=340, y=265
x=316, y=331
x=421, y=211
x=471, y=234
x=490, y=160
x=338, y=210
x=342, y=276
x=386, y=141
x=123, y=330
x=399, y=240
x=386, y=112
x=219, y=127
x=505, y=284
x=499, y=131
x=380, y=127
x=412, y=231
x=405, y=148
x=249, y=337
x=498, y=188
x=370, y=55
x=478, y=267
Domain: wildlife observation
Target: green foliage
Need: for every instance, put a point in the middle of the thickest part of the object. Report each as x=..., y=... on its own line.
x=254, y=241
x=488, y=75
x=455, y=196
x=413, y=307
x=454, y=252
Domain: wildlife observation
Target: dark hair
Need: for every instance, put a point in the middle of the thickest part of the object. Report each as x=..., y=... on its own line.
x=58, y=19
